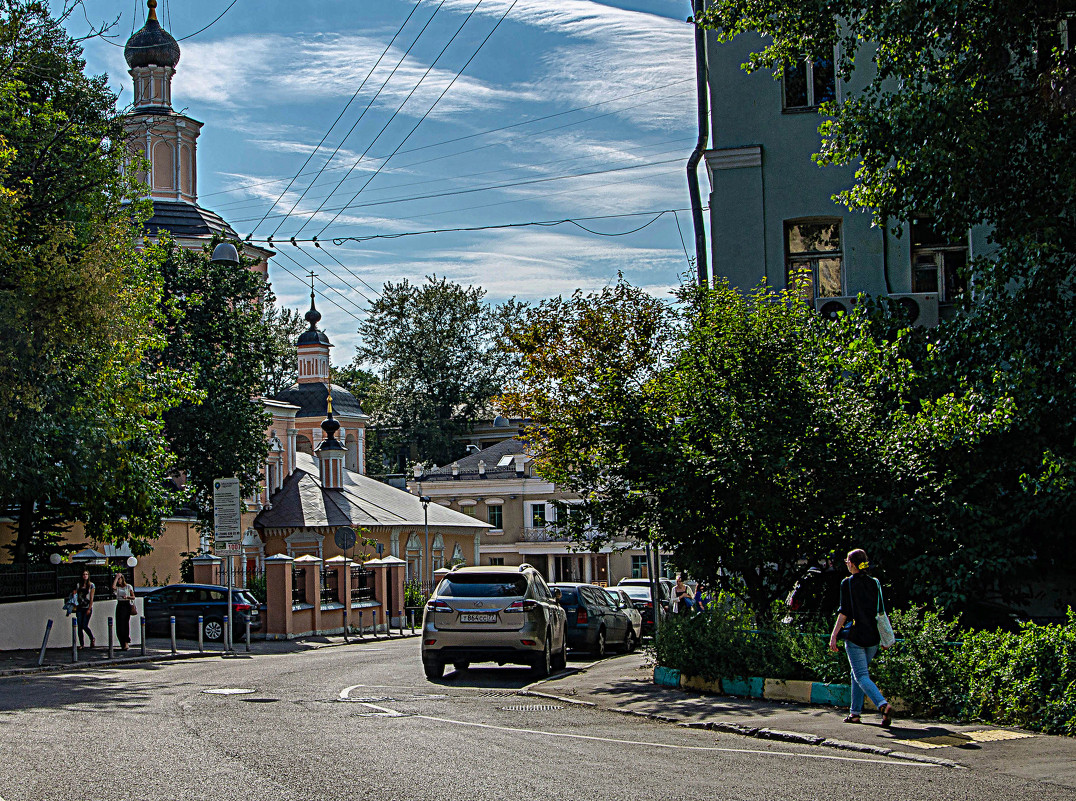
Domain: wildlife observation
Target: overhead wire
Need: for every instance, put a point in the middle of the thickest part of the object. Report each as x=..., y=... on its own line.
x=690, y=263
x=349, y=270
x=369, y=105
x=324, y=282
x=451, y=83
x=178, y=39
x=340, y=116
x=324, y=297
x=359, y=277
x=256, y=184
x=391, y=117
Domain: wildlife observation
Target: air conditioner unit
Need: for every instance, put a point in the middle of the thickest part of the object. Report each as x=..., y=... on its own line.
x=829, y=308
x=921, y=307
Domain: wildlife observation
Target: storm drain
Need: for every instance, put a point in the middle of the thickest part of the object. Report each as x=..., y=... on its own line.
x=531, y=708
x=497, y=693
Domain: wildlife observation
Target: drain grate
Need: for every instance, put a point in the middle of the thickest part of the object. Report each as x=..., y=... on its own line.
x=531, y=708
x=497, y=693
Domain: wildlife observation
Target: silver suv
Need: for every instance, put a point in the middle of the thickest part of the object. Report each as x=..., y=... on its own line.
x=493, y=614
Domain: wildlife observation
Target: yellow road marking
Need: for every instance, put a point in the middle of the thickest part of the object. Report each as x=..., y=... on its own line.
x=963, y=738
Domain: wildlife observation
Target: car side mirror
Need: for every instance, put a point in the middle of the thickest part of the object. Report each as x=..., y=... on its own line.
x=556, y=594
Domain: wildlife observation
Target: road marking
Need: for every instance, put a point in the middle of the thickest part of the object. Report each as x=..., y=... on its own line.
x=380, y=711
x=963, y=738
x=228, y=691
x=671, y=746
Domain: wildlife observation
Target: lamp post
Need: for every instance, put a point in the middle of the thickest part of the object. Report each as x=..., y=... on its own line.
x=426, y=526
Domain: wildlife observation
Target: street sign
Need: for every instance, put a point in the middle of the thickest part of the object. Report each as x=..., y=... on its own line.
x=345, y=538
x=227, y=548
x=227, y=511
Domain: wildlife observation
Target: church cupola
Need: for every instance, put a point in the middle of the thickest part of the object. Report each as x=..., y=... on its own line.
x=313, y=347
x=152, y=54
x=330, y=451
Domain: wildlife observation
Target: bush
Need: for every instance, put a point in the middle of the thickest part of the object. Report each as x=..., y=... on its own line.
x=256, y=587
x=1024, y=679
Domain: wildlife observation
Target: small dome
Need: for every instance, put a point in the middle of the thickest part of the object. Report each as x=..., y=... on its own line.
x=312, y=337
x=500, y=422
x=151, y=44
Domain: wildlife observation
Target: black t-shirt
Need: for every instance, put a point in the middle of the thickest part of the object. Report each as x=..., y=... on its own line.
x=859, y=603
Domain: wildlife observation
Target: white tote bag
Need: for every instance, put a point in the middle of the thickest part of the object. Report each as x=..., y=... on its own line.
x=885, y=628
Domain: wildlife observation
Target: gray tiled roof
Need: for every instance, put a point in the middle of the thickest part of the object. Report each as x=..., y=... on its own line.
x=468, y=465
x=310, y=398
x=363, y=501
x=186, y=219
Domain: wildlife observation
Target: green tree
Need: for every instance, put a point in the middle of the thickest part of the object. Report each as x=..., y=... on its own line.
x=434, y=348
x=282, y=367
x=80, y=414
x=217, y=332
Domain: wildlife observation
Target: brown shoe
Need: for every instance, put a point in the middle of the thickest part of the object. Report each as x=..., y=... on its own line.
x=887, y=715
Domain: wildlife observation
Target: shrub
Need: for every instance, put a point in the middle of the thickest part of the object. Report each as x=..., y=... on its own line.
x=256, y=587
x=1024, y=679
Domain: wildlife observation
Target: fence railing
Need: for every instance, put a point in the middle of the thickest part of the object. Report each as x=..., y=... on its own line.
x=362, y=584
x=41, y=581
x=298, y=586
x=330, y=586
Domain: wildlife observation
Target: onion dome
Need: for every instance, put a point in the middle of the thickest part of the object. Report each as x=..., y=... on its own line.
x=312, y=336
x=152, y=44
x=330, y=426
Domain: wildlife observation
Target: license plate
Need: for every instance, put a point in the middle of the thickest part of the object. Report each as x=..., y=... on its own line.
x=478, y=618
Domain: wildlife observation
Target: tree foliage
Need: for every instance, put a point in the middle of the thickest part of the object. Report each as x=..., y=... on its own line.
x=218, y=333
x=434, y=349
x=283, y=326
x=80, y=415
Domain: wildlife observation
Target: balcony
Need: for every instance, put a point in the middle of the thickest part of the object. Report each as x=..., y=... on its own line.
x=550, y=534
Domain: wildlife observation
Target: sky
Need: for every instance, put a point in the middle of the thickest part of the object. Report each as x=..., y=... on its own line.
x=420, y=115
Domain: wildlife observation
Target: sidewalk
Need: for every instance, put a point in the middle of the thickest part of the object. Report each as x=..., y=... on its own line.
x=625, y=684
x=159, y=649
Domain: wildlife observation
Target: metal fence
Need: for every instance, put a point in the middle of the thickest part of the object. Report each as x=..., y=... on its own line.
x=330, y=585
x=298, y=586
x=362, y=584
x=416, y=593
x=40, y=581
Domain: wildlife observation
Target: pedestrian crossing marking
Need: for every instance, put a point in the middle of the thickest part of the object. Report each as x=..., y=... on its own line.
x=963, y=738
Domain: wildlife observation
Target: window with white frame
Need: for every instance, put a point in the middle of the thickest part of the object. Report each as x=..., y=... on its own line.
x=813, y=258
x=809, y=83
x=638, y=566
x=538, y=516
x=939, y=264
x=495, y=516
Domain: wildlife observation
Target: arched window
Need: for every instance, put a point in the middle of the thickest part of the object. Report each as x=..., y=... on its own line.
x=457, y=555
x=437, y=552
x=302, y=444
x=413, y=555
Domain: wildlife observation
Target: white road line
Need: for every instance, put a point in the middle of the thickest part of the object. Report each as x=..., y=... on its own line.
x=381, y=711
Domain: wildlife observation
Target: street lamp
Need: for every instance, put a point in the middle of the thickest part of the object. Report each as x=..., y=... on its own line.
x=426, y=525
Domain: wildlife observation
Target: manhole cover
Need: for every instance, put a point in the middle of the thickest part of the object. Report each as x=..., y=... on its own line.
x=228, y=691
x=531, y=708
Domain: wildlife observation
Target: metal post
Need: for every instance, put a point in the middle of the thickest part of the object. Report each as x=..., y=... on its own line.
x=228, y=617
x=225, y=637
x=248, y=634
x=201, y=642
x=655, y=589
x=74, y=638
x=412, y=621
x=110, y=651
x=172, y=630
x=44, y=643
x=360, y=625
x=142, y=632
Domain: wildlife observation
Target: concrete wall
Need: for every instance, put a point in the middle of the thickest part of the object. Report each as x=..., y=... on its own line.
x=22, y=625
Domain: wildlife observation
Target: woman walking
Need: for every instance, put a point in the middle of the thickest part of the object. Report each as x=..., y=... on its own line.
x=860, y=596
x=125, y=607
x=84, y=611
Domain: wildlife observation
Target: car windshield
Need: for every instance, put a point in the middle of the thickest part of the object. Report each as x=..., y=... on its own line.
x=634, y=591
x=483, y=585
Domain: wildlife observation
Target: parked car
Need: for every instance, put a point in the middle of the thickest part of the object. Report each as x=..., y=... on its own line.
x=635, y=616
x=493, y=614
x=594, y=619
x=642, y=601
x=188, y=601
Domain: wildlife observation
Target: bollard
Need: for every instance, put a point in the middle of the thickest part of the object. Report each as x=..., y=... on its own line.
x=172, y=632
x=403, y=622
x=44, y=643
x=110, y=650
x=412, y=621
x=226, y=638
x=248, y=635
x=201, y=643
x=142, y=633
x=74, y=639
x=360, y=625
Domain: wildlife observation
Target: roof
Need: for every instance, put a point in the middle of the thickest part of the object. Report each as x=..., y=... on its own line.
x=468, y=465
x=186, y=219
x=311, y=400
x=151, y=45
x=363, y=501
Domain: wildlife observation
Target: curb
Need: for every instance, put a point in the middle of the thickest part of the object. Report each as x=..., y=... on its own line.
x=141, y=660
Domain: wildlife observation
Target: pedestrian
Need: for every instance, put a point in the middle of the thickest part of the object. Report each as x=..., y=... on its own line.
x=700, y=599
x=84, y=594
x=857, y=626
x=125, y=608
x=683, y=596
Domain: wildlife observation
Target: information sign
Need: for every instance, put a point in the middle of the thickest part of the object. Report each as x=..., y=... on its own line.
x=227, y=511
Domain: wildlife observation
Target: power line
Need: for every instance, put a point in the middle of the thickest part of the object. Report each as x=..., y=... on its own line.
x=341, y=114
x=506, y=185
x=424, y=116
x=369, y=105
x=682, y=242
x=325, y=283
x=181, y=38
x=256, y=184
x=391, y=118
x=303, y=281
x=331, y=256
x=353, y=275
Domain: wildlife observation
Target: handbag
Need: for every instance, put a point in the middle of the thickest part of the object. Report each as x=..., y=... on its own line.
x=885, y=628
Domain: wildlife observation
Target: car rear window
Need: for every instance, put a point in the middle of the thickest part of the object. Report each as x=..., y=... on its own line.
x=634, y=591
x=567, y=595
x=483, y=585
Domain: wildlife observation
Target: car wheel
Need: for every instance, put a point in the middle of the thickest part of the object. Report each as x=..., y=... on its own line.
x=433, y=669
x=461, y=665
x=630, y=641
x=544, y=666
x=599, y=644
x=560, y=661
x=213, y=630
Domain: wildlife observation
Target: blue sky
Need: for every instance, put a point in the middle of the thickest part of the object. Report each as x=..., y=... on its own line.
x=270, y=77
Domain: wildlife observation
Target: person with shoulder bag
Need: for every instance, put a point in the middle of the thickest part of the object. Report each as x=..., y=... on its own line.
x=125, y=609
x=859, y=624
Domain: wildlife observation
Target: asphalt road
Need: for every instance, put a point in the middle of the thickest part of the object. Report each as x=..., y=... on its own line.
x=360, y=721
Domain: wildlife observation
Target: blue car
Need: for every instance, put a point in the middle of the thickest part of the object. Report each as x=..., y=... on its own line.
x=188, y=601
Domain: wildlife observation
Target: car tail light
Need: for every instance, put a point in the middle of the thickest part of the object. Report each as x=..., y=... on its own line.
x=529, y=642
x=522, y=606
x=242, y=607
x=438, y=606
x=581, y=617
x=430, y=642
x=649, y=604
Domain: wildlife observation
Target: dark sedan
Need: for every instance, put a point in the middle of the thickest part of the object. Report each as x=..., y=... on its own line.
x=594, y=621
x=189, y=601
x=642, y=600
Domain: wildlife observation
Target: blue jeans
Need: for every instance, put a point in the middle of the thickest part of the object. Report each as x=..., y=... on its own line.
x=858, y=658
x=83, y=617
